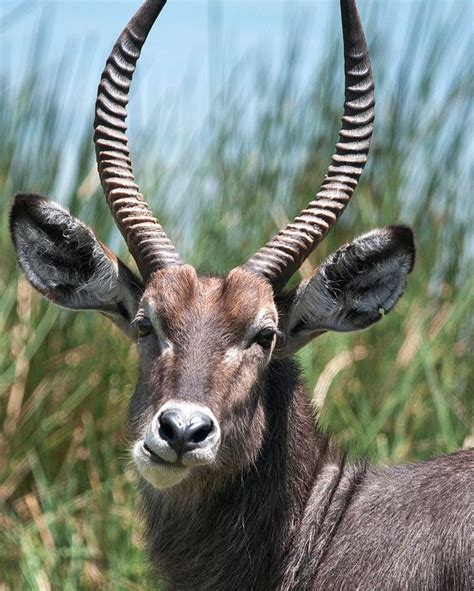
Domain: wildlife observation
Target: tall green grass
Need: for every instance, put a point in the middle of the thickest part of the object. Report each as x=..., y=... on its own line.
x=397, y=392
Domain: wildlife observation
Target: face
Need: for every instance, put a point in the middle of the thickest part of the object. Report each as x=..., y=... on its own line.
x=203, y=345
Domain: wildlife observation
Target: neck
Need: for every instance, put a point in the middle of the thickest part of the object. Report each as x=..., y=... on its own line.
x=243, y=529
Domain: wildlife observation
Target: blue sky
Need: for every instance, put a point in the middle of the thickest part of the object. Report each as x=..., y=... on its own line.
x=190, y=40
x=195, y=43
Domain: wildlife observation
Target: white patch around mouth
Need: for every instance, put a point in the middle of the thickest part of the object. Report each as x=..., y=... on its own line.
x=160, y=475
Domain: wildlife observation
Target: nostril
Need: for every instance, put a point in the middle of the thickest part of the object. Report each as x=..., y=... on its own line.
x=171, y=427
x=166, y=431
x=201, y=433
x=199, y=429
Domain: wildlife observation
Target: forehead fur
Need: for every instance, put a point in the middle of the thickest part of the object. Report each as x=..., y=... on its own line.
x=245, y=293
x=168, y=290
x=177, y=290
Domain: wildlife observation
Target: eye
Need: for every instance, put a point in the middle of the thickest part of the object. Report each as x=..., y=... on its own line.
x=144, y=326
x=265, y=337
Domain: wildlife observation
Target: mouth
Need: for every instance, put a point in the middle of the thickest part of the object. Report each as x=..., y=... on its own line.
x=155, y=470
x=155, y=458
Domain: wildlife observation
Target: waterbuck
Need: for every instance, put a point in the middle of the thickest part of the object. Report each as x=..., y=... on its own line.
x=240, y=490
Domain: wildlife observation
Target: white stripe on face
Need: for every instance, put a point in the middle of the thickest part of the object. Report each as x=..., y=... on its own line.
x=150, y=312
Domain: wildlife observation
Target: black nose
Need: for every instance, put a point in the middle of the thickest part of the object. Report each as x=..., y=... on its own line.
x=184, y=432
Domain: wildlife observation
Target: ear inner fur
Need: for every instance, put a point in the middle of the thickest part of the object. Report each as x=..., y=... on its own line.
x=351, y=290
x=66, y=263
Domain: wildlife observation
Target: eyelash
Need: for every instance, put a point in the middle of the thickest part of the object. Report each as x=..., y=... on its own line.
x=265, y=340
x=143, y=326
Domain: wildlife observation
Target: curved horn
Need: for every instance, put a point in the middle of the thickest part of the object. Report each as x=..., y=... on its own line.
x=283, y=255
x=146, y=239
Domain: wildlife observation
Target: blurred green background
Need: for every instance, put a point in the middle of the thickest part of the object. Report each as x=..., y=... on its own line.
x=398, y=392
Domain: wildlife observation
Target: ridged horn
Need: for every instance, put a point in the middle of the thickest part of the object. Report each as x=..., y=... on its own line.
x=283, y=255
x=146, y=239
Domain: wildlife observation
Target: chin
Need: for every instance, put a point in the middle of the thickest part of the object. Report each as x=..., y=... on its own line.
x=161, y=475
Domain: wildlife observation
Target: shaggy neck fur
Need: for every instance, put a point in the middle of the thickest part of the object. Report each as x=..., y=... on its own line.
x=233, y=536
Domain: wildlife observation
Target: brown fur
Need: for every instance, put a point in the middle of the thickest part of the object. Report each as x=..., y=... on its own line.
x=203, y=318
x=280, y=510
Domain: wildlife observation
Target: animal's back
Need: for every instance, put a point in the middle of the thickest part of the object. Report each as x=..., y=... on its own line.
x=406, y=528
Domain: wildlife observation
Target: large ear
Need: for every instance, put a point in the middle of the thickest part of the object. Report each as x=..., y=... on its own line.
x=352, y=289
x=65, y=262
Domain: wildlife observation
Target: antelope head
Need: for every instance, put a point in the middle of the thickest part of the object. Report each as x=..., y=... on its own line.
x=206, y=343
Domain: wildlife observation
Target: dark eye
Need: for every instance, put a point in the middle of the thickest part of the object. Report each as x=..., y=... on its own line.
x=265, y=337
x=144, y=326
